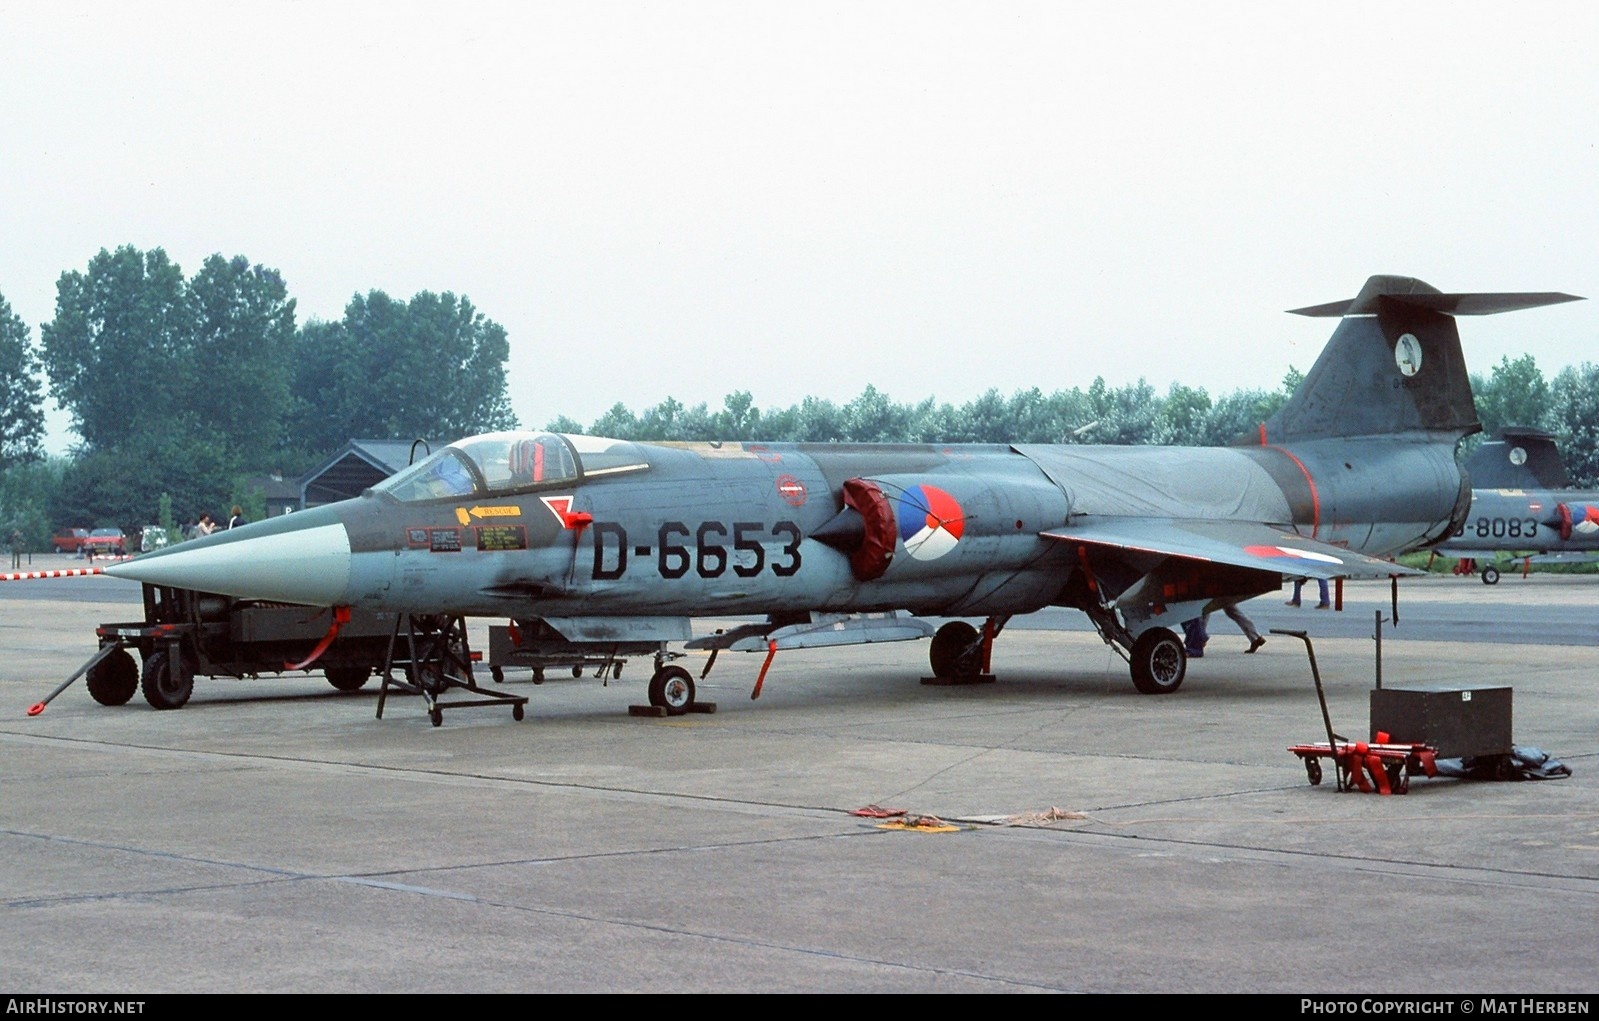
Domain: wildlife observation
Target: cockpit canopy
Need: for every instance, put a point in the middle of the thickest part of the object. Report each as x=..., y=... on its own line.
x=510, y=462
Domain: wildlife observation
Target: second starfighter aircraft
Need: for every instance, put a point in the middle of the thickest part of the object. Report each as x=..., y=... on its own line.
x=609, y=541
x=1523, y=508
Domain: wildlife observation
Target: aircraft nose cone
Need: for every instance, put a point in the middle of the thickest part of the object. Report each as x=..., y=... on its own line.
x=306, y=561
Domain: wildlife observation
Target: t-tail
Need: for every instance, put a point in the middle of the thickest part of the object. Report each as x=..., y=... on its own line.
x=1519, y=458
x=1393, y=366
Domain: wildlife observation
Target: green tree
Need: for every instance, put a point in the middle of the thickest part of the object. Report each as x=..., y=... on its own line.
x=1513, y=394
x=27, y=500
x=1574, y=419
x=21, y=404
x=115, y=350
x=433, y=367
x=239, y=358
x=1184, y=414
x=739, y=419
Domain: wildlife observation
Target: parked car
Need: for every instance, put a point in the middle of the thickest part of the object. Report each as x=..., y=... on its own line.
x=104, y=541
x=68, y=540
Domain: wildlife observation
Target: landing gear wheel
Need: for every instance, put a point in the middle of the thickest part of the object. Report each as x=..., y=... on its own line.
x=577, y=670
x=430, y=678
x=538, y=675
x=616, y=671
x=498, y=674
x=436, y=715
x=167, y=682
x=517, y=712
x=113, y=680
x=955, y=651
x=1490, y=575
x=1158, y=662
x=672, y=687
x=347, y=678
x=1313, y=771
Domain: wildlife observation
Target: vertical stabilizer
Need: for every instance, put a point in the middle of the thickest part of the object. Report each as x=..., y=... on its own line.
x=1393, y=365
x=1520, y=458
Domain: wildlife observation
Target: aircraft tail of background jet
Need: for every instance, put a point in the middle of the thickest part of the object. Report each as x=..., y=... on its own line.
x=1521, y=458
x=1352, y=389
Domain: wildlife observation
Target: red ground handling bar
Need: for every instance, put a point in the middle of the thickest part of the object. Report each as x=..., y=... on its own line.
x=69, y=572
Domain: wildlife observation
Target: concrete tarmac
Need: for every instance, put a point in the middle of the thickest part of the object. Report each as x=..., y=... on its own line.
x=1071, y=835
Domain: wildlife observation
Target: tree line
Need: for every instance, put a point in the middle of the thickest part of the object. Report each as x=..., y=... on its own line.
x=183, y=389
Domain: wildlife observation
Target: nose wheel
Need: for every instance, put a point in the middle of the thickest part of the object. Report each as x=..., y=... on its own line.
x=672, y=689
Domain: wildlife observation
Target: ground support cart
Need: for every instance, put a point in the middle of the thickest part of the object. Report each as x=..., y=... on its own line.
x=185, y=634
x=1370, y=766
x=1383, y=768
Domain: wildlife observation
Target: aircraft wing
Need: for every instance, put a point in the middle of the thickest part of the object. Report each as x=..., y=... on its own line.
x=1461, y=553
x=1562, y=557
x=1252, y=545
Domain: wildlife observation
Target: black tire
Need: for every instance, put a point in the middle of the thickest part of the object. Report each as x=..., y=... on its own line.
x=167, y=684
x=348, y=678
x=1313, y=771
x=1490, y=575
x=955, y=650
x=436, y=716
x=672, y=687
x=498, y=674
x=577, y=670
x=1159, y=662
x=517, y=712
x=113, y=680
x=429, y=675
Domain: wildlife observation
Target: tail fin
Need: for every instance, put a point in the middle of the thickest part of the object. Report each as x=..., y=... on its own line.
x=1519, y=458
x=1393, y=365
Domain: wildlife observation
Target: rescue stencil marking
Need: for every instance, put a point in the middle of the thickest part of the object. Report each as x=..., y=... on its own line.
x=930, y=522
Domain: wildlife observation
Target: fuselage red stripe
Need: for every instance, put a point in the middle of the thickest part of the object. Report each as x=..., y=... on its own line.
x=1315, y=498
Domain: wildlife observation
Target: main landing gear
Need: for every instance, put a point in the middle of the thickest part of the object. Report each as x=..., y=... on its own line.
x=959, y=652
x=1156, y=656
x=1158, y=661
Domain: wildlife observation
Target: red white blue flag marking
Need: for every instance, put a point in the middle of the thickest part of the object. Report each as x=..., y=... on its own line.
x=930, y=522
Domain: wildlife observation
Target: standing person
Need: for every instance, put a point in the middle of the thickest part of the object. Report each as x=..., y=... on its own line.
x=205, y=527
x=1245, y=625
x=238, y=517
x=1321, y=583
x=1195, y=637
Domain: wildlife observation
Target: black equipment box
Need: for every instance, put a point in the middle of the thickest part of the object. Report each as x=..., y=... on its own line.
x=1459, y=722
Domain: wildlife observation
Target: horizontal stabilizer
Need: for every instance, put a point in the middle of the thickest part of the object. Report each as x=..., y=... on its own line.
x=1449, y=304
x=1259, y=547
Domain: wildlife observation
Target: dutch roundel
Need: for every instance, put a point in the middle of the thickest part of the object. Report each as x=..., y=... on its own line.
x=930, y=522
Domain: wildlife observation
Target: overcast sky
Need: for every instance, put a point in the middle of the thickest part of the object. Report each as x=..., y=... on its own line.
x=687, y=199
